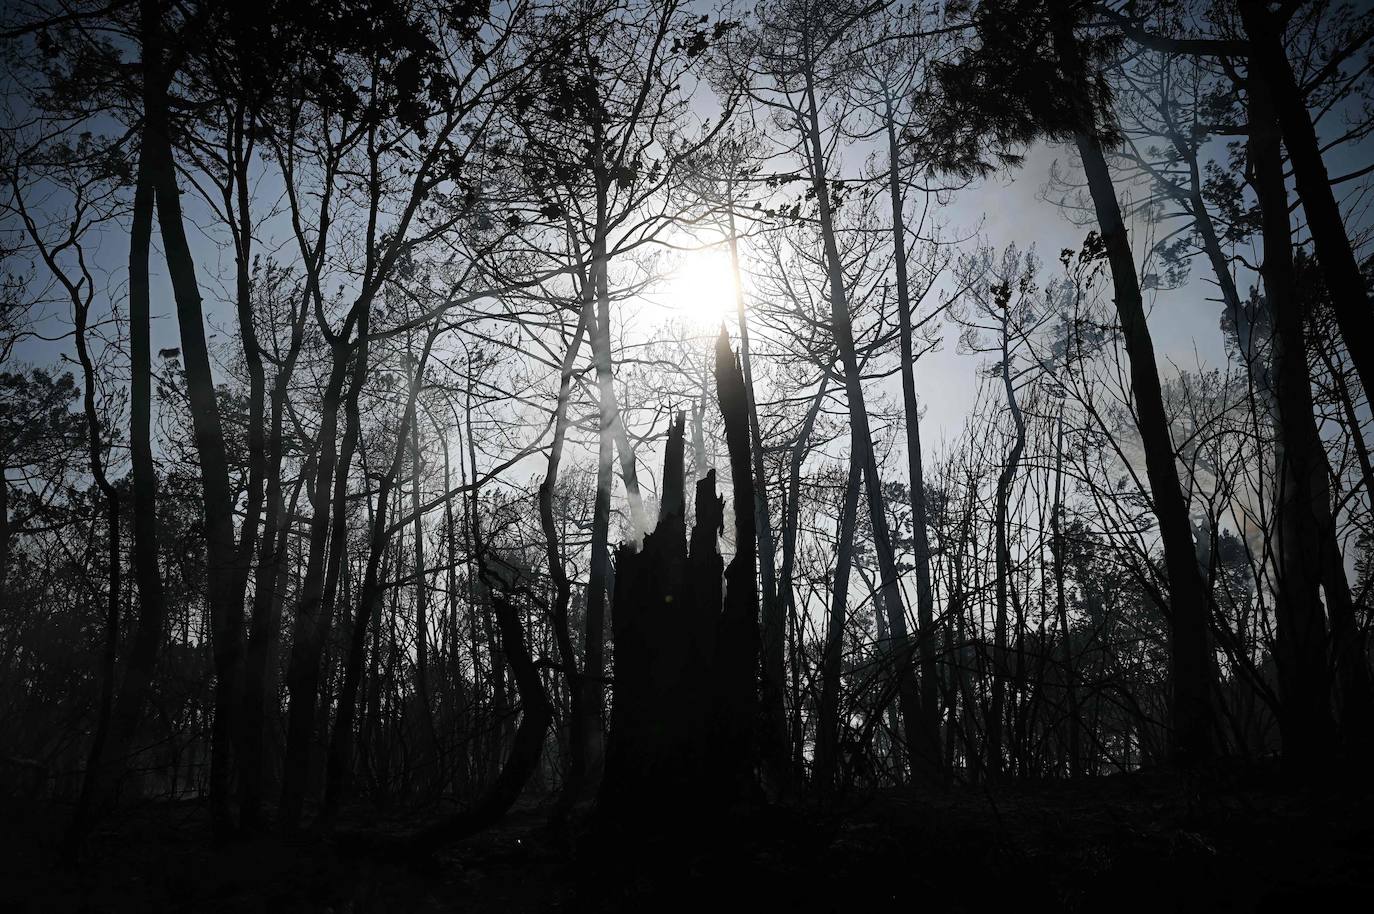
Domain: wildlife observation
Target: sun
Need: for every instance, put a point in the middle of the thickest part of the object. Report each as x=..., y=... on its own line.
x=700, y=287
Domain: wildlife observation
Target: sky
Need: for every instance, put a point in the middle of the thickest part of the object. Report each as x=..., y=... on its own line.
x=1009, y=207
x=1003, y=209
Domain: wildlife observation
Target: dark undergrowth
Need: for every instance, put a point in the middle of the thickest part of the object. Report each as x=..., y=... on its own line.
x=1149, y=841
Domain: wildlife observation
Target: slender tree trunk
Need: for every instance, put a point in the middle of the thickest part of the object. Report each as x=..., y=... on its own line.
x=786, y=588
x=927, y=735
x=315, y=606
x=585, y=750
x=1349, y=295
x=1305, y=712
x=792, y=514
x=1189, y=652
x=269, y=583
x=773, y=630
x=1005, y=479
x=736, y=669
x=222, y=559
x=431, y=758
x=969, y=659
x=372, y=727
x=598, y=590
x=458, y=700
x=421, y=589
x=862, y=450
x=338, y=774
x=1074, y=749
x=613, y=422
x=828, y=722
x=114, y=595
x=259, y=472
x=142, y=659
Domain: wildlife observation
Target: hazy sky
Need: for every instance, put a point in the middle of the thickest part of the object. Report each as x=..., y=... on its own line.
x=1006, y=208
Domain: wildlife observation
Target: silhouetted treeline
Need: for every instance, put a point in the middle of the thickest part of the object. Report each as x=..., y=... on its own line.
x=351, y=453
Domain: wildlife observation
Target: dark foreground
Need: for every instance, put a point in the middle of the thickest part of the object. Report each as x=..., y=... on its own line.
x=1146, y=842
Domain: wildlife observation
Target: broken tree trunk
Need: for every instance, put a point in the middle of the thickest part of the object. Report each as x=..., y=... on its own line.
x=683, y=720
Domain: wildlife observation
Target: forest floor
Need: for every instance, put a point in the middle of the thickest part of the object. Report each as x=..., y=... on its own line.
x=1140, y=842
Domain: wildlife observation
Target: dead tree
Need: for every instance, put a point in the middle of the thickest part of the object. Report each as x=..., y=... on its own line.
x=683, y=720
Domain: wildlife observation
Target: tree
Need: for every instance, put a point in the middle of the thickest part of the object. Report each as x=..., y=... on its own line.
x=991, y=79
x=1003, y=292
x=794, y=56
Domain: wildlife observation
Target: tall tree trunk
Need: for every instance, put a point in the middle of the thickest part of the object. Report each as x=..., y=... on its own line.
x=1189, y=653
x=1349, y=297
x=774, y=621
x=259, y=477
x=828, y=721
x=593, y=645
x=240, y=153
x=736, y=671
x=1074, y=748
x=1305, y=711
x=268, y=586
x=222, y=560
x=786, y=588
x=974, y=702
x=862, y=449
x=339, y=766
x=792, y=513
x=429, y=737
x=421, y=589
x=315, y=608
x=142, y=659
x=926, y=735
x=95, y=457
x=585, y=749
x=1002, y=559
x=458, y=700
x=612, y=420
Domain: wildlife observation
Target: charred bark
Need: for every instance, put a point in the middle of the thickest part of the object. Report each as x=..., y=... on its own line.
x=1189, y=651
x=686, y=707
x=1305, y=719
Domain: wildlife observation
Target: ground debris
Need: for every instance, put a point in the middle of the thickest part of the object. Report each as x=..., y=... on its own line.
x=1126, y=843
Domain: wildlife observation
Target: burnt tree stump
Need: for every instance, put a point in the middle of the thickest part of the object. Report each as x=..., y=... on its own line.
x=685, y=706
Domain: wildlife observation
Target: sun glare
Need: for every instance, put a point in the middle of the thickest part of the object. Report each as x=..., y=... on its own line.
x=701, y=287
